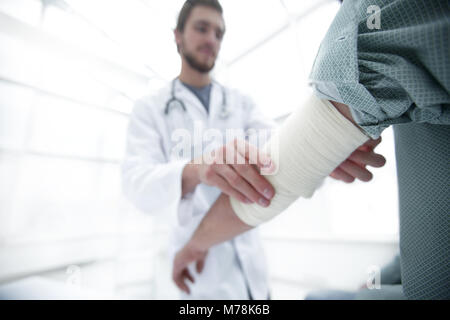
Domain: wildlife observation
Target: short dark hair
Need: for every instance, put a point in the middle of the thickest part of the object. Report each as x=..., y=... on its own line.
x=191, y=4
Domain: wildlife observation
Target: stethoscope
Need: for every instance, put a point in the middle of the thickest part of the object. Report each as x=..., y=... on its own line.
x=174, y=102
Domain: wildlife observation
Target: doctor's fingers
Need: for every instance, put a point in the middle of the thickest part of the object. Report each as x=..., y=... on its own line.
x=239, y=183
x=340, y=174
x=226, y=188
x=253, y=155
x=356, y=170
x=369, y=158
x=370, y=145
x=255, y=179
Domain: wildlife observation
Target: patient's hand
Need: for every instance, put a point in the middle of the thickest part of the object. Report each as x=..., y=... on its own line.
x=219, y=225
x=182, y=259
x=355, y=165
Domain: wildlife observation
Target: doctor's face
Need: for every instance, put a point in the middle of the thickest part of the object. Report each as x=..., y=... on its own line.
x=199, y=44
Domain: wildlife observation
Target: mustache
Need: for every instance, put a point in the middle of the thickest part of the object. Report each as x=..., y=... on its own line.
x=209, y=47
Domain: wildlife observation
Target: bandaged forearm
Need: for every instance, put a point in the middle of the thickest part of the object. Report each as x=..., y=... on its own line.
x=309, y=145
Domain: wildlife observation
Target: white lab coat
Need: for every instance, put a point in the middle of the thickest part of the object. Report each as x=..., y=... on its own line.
x=152, y=181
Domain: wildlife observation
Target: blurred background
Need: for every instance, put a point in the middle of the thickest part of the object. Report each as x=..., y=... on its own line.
x=69, y=73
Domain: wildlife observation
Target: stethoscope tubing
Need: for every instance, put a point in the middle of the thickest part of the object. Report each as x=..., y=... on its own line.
x=224, y=113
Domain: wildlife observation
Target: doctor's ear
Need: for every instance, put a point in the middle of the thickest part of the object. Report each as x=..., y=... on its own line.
x=177, y=34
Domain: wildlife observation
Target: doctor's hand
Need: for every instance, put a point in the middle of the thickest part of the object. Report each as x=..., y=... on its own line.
x=182, y=259
x=355, y=165
x=235, y=169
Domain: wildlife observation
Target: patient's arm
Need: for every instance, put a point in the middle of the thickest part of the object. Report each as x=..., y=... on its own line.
x=222, y=223
x=344, y=110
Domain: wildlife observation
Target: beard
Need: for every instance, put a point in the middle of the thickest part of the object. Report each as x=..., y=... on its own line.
x=194, y=63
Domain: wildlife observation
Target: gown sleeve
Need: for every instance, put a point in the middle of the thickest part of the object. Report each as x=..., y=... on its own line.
x=398, y=73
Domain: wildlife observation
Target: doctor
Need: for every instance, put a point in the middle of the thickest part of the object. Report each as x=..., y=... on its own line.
x=157, y=181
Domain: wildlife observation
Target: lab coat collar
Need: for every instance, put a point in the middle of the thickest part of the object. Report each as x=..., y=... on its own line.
x=189, y=98
x=215, y=100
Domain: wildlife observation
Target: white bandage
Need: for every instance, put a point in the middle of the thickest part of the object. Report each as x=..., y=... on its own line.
x=312, y=142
